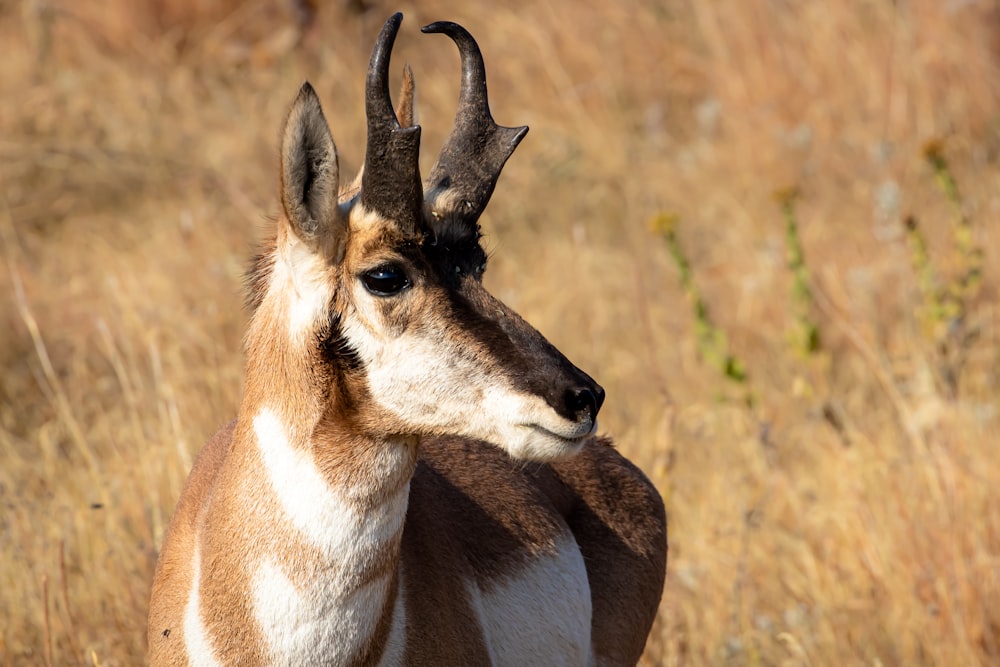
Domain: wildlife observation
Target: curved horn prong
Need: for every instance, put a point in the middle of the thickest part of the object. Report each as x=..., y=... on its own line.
x=462, y=181
x=390, y=184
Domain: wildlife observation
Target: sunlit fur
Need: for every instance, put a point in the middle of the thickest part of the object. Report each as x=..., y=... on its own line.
x=197, y=645
x=371, y=502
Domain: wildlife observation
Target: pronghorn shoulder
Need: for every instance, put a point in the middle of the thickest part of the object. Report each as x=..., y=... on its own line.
x=607, y=488
x=174, y=566
x=598, y=474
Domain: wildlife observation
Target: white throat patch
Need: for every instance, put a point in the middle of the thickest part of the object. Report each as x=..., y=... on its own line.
x=325, y=516
x=330, y=618
x=316, y=624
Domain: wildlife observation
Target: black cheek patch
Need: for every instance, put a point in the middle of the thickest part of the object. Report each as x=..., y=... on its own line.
x=336, y=349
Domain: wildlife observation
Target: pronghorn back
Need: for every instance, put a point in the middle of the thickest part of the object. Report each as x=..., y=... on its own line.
x=413, y=476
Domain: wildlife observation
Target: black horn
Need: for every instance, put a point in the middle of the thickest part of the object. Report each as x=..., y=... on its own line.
x=390, y=184
x=462, y=181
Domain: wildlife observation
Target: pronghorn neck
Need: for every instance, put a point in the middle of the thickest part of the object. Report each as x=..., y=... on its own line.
x=345, y=497
x=323, y=550
x=301, y=402
x=333, y=498
x=326, y=555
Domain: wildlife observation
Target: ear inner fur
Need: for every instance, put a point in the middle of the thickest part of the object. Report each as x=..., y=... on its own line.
x=310, y=172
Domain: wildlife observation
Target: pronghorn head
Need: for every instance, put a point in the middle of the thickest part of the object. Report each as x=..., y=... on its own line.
x=372, y=294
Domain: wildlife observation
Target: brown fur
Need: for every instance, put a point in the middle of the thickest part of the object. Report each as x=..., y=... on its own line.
x=615, y=515
x=475, y=516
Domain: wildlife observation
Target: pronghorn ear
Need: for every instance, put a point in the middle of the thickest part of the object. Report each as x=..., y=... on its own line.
x=310, y=174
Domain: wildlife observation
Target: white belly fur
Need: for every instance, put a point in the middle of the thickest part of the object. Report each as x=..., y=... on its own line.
x=542, y=614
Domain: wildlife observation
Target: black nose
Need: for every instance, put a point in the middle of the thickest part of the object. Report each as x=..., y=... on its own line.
x=587, y=399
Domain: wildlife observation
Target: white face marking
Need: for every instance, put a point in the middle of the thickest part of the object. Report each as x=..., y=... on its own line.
x=196, y=640
x=542, y=614
x=302, y=276
x=319, y=624
x=328, y=518
x=435, y=386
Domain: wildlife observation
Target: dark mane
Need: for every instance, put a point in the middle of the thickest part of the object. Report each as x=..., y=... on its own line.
x=259, y=272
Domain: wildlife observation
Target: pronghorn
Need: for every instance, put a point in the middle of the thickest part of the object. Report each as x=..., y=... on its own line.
x=413, y=475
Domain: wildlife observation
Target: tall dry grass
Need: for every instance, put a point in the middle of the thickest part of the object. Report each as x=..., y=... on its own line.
x=849, y=516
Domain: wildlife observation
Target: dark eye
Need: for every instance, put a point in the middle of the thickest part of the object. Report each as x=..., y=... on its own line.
x=385, y=280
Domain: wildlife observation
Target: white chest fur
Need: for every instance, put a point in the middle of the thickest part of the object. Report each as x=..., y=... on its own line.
x=541, y=615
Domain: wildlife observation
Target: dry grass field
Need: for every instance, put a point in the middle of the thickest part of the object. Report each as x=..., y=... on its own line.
x=836, y=505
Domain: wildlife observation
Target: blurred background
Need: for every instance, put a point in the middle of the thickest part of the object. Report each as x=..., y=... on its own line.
x=768, y=228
